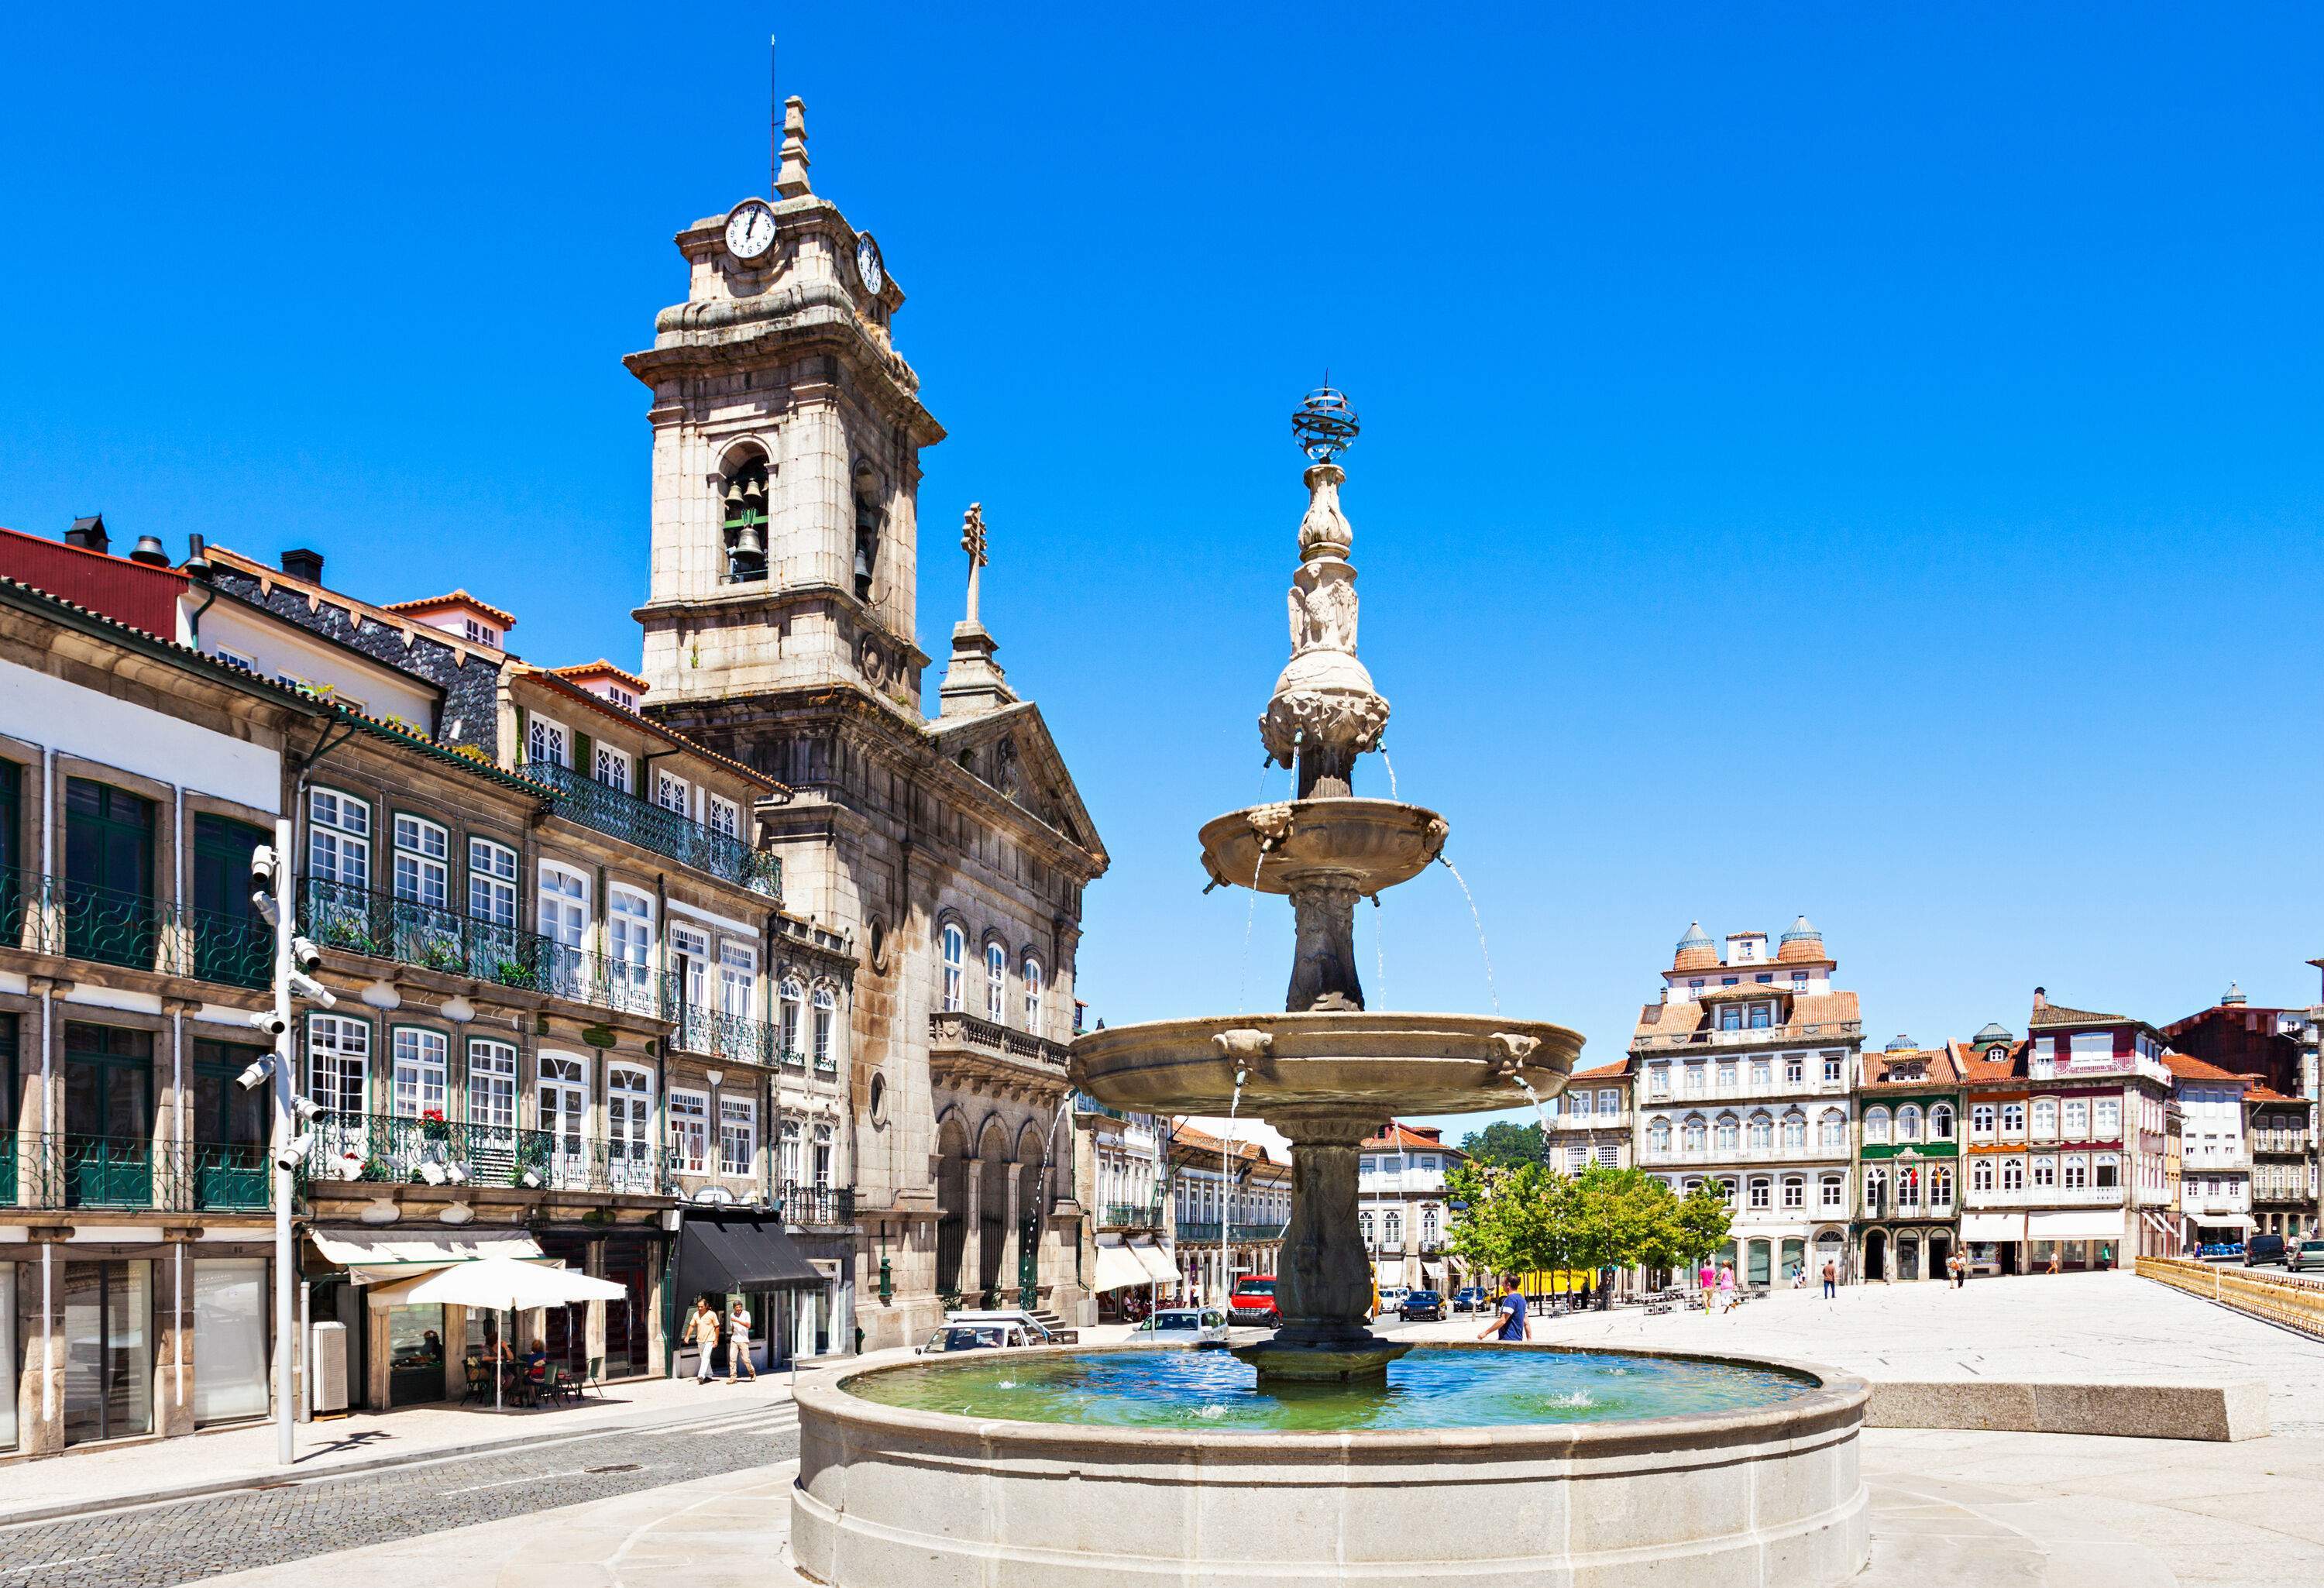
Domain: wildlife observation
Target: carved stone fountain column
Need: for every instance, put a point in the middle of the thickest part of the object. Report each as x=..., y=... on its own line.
x=1323, y=1281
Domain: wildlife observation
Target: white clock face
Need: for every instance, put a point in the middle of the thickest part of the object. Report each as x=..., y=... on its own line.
x=867, y=264
x=750, y=229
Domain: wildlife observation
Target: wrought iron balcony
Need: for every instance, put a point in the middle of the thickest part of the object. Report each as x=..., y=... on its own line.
x=1265, y=1229
x=818, y=1205
x=60, y=1172
x=826, y=1064
x=642, y=822
x=381, y=926
x=700, y=1030
x=398, y=1150
x=1198, y=1231
x=106, y=925
x=1130, y=1216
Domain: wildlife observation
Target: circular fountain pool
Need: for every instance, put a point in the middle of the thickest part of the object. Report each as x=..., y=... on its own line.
x=1517, y=1464
x=1436, y=1387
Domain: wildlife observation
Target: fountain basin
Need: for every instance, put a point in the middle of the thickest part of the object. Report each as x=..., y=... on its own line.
x=1367, y=844
x=1381, y=1062
x=1762, y=1492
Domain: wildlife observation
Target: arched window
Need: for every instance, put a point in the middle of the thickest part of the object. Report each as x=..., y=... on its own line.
x=1908, y=1188
x=1728, y=1132
x=1694, y=1134
x=1941, y=1121
x=793, y=1003
x=1795, y=1132
x=1364, y=1225
x=1831, y=1130
x=744, y=519
x=825, y=1008
x=1908, y=1123
x=955, y=954
x=1763, y=1133
x=1876, y=1185
x=996, y=984
x=1658, y=1137
x=1980, y=1174
x=1032, y=978
x=1876, y=1124
x=1428, y=1227
x=823, y=1141
x=1940, y=1186
x=1392, y=1227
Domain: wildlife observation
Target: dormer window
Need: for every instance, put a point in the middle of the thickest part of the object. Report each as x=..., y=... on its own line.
x=480, y=634
x=743, y=519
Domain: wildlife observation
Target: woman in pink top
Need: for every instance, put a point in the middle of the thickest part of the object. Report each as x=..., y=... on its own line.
x=1706, y=1279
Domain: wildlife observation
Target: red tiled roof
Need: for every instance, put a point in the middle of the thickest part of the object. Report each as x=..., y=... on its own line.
x=1616, y=1071
x=1679, y=1016
x=1970, y=1059
x=602, y=668
x=2264, y=1093
x=1401, y=1137
x=2188, y=1067
x=456, y=598
x=1943, y=1071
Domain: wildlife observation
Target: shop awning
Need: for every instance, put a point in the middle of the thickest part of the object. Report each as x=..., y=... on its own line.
x=2220, y=1221
x=1993, y=1226
x=495, y=1284
x=2077, y=1224
x=379, y=1255
x=1156, y=1261
x=1118, y=1269
x=717, y=1256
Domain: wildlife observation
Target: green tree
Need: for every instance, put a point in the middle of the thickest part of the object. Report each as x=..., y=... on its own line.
x=1701, y=1222
x=1514, y=1219
x=1505, y=1143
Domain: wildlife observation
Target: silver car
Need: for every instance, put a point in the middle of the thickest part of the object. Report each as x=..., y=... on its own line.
x=1184, y=1325
x=2304, y=1256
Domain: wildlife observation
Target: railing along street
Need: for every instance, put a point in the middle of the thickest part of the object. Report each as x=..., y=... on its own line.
x=649, y=825
x=2295, y=1301
x=108, y=926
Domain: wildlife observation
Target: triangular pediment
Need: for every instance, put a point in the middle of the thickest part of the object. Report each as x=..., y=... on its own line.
x=1010, y=751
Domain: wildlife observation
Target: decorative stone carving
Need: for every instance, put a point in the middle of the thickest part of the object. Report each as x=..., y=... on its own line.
x=1325, y=711
x=1243, y=1045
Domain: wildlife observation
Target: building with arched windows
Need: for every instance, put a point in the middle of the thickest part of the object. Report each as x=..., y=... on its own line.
x=1743, y=1071
x=1909, y=1123
x=948, y=850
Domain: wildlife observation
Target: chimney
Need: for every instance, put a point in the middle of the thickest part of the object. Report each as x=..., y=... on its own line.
x=304, y=565
x=89, y=533
x=150, y=552
x=2041, y=997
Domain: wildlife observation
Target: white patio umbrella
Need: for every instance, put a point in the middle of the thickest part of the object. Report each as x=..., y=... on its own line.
x=504, y=1284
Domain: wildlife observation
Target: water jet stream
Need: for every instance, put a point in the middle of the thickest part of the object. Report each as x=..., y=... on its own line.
x=1492, y=988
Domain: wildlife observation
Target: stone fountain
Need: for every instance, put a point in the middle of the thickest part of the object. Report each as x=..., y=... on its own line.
x=1341, y=1460
x=1326, y=1072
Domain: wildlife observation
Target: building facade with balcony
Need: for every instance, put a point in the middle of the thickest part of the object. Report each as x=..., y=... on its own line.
x=1230, y=1198
x=2284, y=1163
x=781, y=630
x=1401, y=1207
x=1909, y=1114
x=2066, y=1163
x=136, y=1190
x=2215, y=1159
x=1124, y=1181
x=1591, y=1122
x=2276, y=1048
x=1745, y=1073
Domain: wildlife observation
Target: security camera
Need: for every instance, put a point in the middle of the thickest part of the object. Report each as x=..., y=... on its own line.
x=270, y=1022
x=293, y=1153
x=308, y=1110
x=312, y=991
x=305, y=958
x=255, y=1074
x=261, y=865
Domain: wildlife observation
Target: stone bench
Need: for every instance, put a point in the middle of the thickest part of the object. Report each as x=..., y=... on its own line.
x=2218, y=1411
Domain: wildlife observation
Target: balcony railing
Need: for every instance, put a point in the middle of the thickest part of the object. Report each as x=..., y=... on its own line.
x=381, y=926
x=1812, y=1031
x=395, y=1149
x=826, y=1064
x=1265, y=1230
x=60, y=1172
x=1198, y=1231
x=818, y=1205
x=957, y=1030
x=642, y=822
x=1130, y=1216
x=1084, y=1104
x=77, y=920
x=699, y=1029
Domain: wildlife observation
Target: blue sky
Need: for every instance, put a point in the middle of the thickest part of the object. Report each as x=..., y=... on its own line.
x=1859, y=461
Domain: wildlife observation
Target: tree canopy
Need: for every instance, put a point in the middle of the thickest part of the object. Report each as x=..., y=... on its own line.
x=1525, y=1217
x=1505, y=1143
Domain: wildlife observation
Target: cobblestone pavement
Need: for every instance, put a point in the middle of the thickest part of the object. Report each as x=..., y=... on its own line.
x=189, y=1540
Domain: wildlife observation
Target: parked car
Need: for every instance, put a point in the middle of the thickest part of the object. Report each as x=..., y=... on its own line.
x=2307, y=1254
x=1389, y=1297
x=1252, y=1301
x=950, y=1337
x=1186, y=1326
x=1471, y=1298
x=1421, y=1303
x=1041, y=1334
x=2261, y=1250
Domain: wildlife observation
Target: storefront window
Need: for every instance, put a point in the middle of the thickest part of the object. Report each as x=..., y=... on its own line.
x=108, y=1378
x=415, y=1355
x=8, y=1352
x=229, y=1339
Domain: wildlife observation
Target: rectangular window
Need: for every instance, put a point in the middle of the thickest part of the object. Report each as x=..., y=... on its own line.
x=738, y=979
x=1610, y=1155
x=1609, y=1104
x=1980, y=1174
x=2077, y=1119
x=419, y=1074
x=738, y=1135
x=1795, y=1069
x=339, y=838
x=1658, y=1081
x=1694, y=1080
x=338, y=1062
x=492, y=882
x=725, y=817
x=547, y=743
x=2012, y=1174
x=629, y=932
x=563, y=904
x=2110, y=1118
x=1761, y=1076
x=1728, y=1072
x=1834, y=1193
x=2012, y=1118
x=423, y=864
x=670, y=794
x=1795, y=1194
x=689, y=1132
x=1980, y=1120
x=613, y=768
x=492, y=1085
x=2077, y=1173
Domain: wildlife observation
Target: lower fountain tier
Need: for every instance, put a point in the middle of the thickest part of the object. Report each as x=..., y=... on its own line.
x=1381, y=1063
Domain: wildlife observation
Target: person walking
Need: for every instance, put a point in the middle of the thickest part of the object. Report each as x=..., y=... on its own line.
x=1509, y=1321
x=1831, y=1278
x=1726, y=1287
x=702, y=1328
x=738, y=1366
x=1706, y=1281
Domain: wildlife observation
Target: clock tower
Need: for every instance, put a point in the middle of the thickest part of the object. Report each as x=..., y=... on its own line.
x=786, y=458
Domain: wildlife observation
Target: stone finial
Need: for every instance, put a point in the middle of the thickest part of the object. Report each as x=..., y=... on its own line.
x=791, y=181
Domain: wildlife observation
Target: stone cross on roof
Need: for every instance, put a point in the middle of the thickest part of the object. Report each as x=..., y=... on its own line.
x=972, y=540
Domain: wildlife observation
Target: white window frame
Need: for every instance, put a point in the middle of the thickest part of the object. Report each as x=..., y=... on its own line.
x=738, y=979
x=1029, y=974
x=791, y=1153
x=423, y=860
x=996, y=984
x=491, y=1083
x=611, y=768
x=823, y=1152
x=629, y=1125
x=492, y=882
x=419, y=1072
x=630, y=944
x=738, y=1122
x=547, y=742
x=338, y=1063
x=825, y=1006
x=339, y=838
x=673, y=794
x=790, y=1002
x=955, y=956
x=687, y=1112
x=723, y=815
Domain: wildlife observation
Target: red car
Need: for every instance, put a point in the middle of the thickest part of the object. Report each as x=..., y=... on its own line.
x=1253, y=1301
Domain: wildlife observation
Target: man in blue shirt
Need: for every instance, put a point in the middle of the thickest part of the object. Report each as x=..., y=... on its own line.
x=1509, y=1324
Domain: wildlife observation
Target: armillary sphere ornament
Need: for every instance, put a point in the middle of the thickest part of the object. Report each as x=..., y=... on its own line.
x=1325, y=423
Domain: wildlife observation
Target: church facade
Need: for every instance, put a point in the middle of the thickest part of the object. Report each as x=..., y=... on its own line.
x=951, y=851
